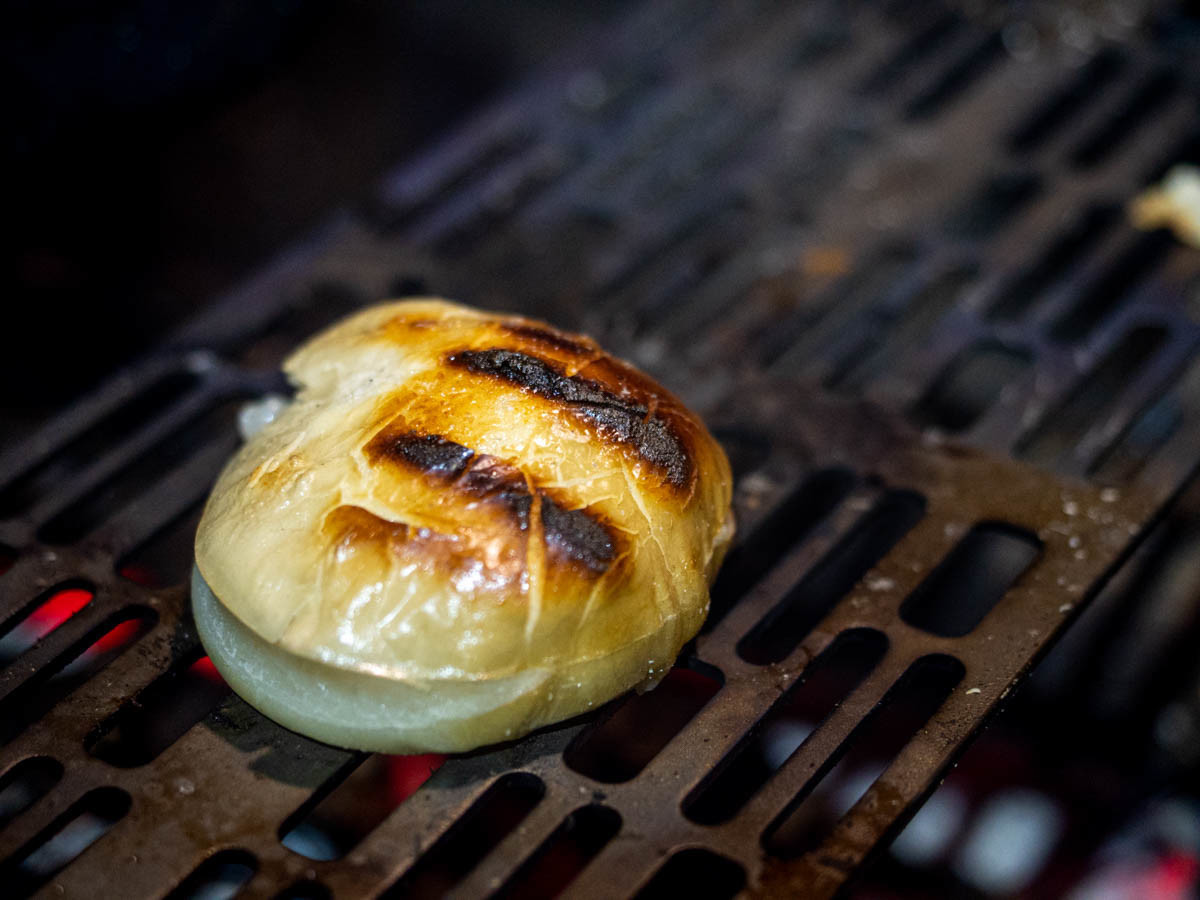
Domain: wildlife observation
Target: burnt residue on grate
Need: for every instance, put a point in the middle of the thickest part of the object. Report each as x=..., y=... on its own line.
x=842, y=233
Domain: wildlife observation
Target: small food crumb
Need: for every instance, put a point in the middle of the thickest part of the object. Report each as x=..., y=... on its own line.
x=1174, y=203
x=974, y=690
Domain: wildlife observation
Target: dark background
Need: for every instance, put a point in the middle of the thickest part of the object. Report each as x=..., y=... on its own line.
x=156, y=152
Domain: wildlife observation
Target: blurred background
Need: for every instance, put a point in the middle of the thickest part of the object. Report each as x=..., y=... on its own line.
x=158, y=153
x=155, y=154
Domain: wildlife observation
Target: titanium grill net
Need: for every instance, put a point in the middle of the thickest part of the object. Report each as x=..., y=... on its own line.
x=883, y=250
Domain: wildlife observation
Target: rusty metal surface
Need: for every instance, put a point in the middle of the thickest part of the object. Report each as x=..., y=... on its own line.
x=706, y=194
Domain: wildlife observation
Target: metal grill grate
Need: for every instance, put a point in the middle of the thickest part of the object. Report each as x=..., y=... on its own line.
x=881, y=249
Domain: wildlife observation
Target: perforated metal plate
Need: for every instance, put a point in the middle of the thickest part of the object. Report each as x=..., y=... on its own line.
x=882, y=250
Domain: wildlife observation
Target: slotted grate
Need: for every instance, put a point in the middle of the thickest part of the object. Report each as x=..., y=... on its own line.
x=881, y=249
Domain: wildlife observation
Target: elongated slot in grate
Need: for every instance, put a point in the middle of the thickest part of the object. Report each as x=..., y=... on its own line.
x=1060, y=429
x=996, y=202
x=321, y=304
x=87, y=513
x=70, y=835
x=661, y=123
x=889, y=334
x=670, y=296
x=355, y=804
x=166, y=558
x=97, y=440
x=793, y=345
x=25, y=784
x=957, y=78
x=500, y=809
x=158, y=716
x=1023, y=292
x=1058, y=110
x=1129, y=455
x=1184, y=152
x=563, y=855
x=965, y=587
x=401, y=212
x=911, y=53
x=1152, y=428
x=219, y=877
x=503, y=200
x=696, y=873
x=40, y=619
x=72, y=668
x=641, y=257
x=970, y=385
x=822, y=686
x=618, y=748
x=1140, y=105
x=1112, y=287
x=779, y=632
x=793, y=519
x=864, y=756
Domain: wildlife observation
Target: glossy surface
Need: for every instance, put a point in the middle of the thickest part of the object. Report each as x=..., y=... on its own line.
x=459, y=498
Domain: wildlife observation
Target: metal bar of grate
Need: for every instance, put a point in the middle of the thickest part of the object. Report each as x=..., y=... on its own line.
x=709, y=190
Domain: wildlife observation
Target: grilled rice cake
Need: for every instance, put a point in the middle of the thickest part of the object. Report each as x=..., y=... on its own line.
x=465, y=526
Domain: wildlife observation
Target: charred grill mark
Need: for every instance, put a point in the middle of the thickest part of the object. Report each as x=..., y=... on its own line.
x=489, y=477
x=492, y=480
x=571, y=534
x=538, y=377
x=577, y=536
x=542, y=335
x=615, y=418
x=654, y=439
x=428, y=452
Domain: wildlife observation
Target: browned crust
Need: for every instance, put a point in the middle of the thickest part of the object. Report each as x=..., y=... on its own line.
x=352, y=529
x=621, y=418
x=552, y=338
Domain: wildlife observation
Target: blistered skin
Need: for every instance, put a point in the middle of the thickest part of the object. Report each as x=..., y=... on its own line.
x=456, y=497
